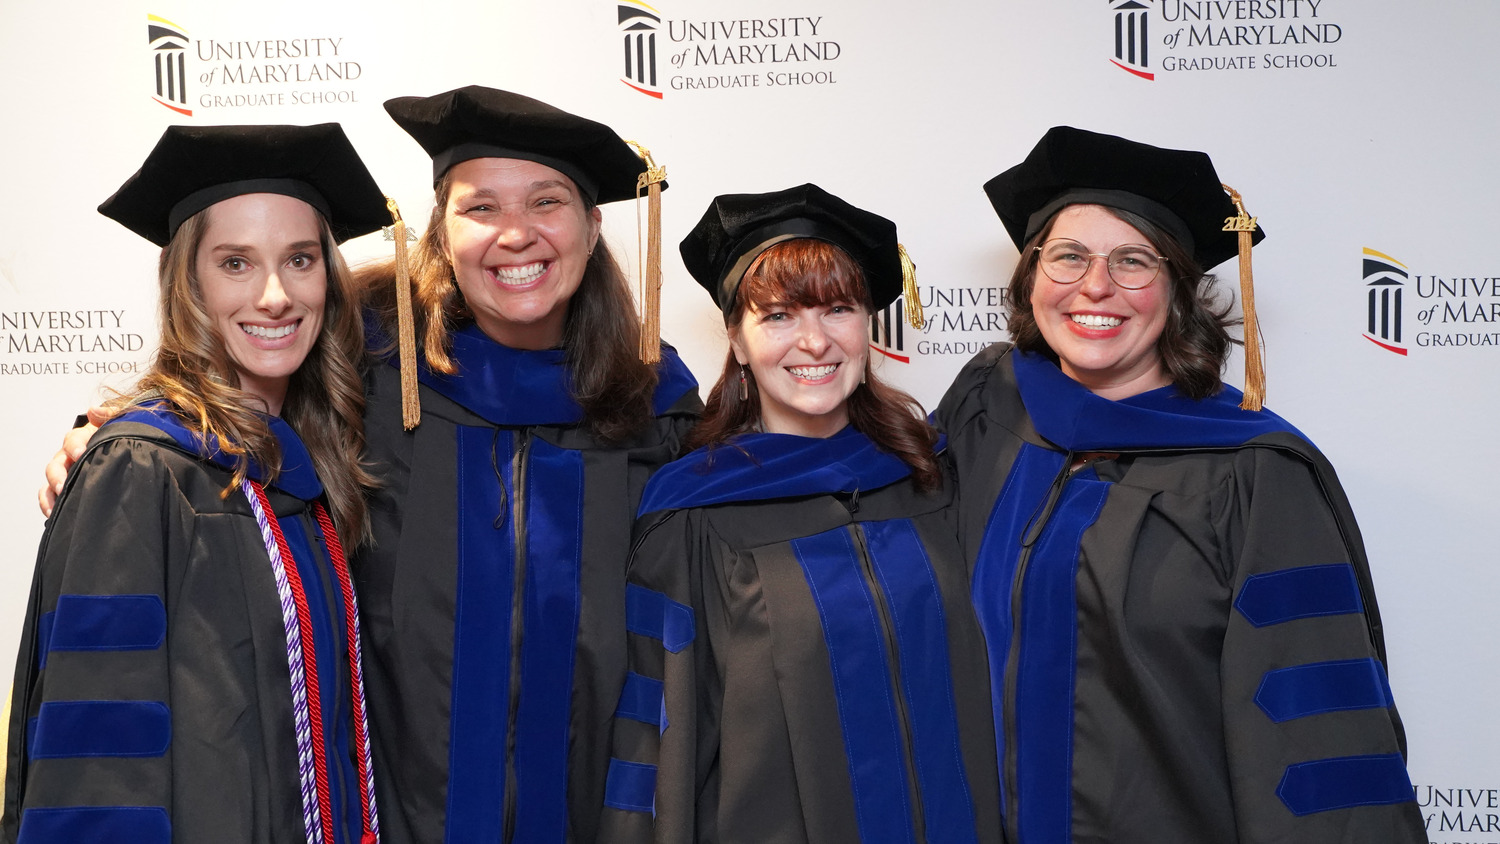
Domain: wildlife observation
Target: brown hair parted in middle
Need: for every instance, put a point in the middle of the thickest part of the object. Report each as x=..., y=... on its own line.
x=1194, y=345
x=601, y=335
x=805, y=272
x=325, y=398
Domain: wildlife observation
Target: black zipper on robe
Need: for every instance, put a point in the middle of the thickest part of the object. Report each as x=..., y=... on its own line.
x=519, y=465
x=1010, y=765
x=893, y=657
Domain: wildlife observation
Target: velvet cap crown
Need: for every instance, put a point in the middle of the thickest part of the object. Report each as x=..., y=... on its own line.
x=479, y=122
x=737, y=228
x=1176, y=189
x=193, y=167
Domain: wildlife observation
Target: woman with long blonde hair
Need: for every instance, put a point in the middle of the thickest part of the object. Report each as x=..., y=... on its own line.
x=190, y=666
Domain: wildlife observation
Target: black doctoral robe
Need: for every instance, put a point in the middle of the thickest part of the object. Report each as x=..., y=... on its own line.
x=494, y=595
x=1184, y=641
x=152, y=699
x=805, y=663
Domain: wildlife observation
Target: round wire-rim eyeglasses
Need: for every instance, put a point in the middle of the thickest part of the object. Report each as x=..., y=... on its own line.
x=1130, y=265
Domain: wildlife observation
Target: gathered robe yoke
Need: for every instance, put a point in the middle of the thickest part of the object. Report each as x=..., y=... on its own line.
x=805, y=664
x=494, y=594
x=153, y=701
x=1184, y=640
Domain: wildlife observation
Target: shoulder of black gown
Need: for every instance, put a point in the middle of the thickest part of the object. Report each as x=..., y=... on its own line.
x=523, y=387
x=965, y=397
x=762, y=467
x=158, y=424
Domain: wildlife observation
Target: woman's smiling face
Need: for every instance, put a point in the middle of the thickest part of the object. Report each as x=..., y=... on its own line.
x=1105, y=336
x=518, y=236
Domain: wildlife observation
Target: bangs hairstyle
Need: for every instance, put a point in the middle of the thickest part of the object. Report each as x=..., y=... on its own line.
x=601, y=334
x=1194, y=344
x=805, y=273
x=800, y=273
x=194, y=374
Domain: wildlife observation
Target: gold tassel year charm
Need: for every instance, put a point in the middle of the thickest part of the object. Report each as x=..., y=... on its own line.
x=650, y=266
x=406, y=332
x=1255, y=370
x=909, y=290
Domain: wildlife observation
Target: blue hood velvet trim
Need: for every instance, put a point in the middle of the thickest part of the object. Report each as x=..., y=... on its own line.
x=762, y=467
x=1071, y=417
x=517, y=387
x=297, y=476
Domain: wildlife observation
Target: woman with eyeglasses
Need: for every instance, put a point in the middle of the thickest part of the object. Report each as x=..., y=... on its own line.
x=1183, y=638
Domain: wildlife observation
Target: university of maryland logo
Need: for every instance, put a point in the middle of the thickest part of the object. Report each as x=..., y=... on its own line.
x=1385, y=279
x=1132, y=19
x=638, y=26
x=888, y=331
x=169, y=53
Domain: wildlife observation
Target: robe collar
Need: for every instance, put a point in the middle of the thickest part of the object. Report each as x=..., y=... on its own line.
x=297, y=476
x=1068, y=415
x=762, y=467
x=518, y=387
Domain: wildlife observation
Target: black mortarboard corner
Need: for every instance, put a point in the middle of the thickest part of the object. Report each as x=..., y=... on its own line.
x=737, y=228
x=1178, y=190
x=193, y=167
x=479, y=122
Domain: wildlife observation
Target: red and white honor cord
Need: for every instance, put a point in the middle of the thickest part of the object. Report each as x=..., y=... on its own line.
x=301, y=657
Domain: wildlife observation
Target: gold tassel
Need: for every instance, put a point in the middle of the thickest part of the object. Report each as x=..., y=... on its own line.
x=406, y=330
x=909, y=289
x=650, y=262
x=1255, y=370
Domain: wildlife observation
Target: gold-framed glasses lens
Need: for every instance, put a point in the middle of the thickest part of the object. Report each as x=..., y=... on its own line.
x=1131, y=265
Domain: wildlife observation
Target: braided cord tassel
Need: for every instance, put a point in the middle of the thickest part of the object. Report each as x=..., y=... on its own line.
x=368, y=811
x=301, y=718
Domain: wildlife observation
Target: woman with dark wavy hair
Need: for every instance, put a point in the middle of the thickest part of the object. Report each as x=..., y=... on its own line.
x=494, y=592
x=804, y=661
x=190, y=666
x=1183, y=638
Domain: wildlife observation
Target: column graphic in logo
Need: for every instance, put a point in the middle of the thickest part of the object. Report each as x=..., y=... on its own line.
x=888, y=331
x=638, y=26
x=1385, y=277
x=169, y=52
x=1131, y=36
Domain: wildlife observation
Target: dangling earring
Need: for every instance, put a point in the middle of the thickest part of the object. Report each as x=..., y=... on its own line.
x=744, y=385
x=864, y=372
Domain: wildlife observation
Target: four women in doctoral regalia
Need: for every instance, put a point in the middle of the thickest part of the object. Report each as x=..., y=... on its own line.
x=1171, y=649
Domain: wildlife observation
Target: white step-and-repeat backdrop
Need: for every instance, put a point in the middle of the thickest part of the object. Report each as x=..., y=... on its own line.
x=1361, y=133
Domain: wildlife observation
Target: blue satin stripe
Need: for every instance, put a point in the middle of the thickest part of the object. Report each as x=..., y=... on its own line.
x=554, y=551
x=861, y=681
x=1306, y=592
x=297, y=475
x=69, y=729
x=73, y=824
x=640, y=700
x=630, y=786
x=1323, y=785
x=651, y=613
x=481, y=639
x=760, y=467
x=1304, y=690
x=1049, y=660
x=1068, y=414
x=916, y=606
x=326, y=601
x=995, y=568
x=108, y=623
x=44, y=637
